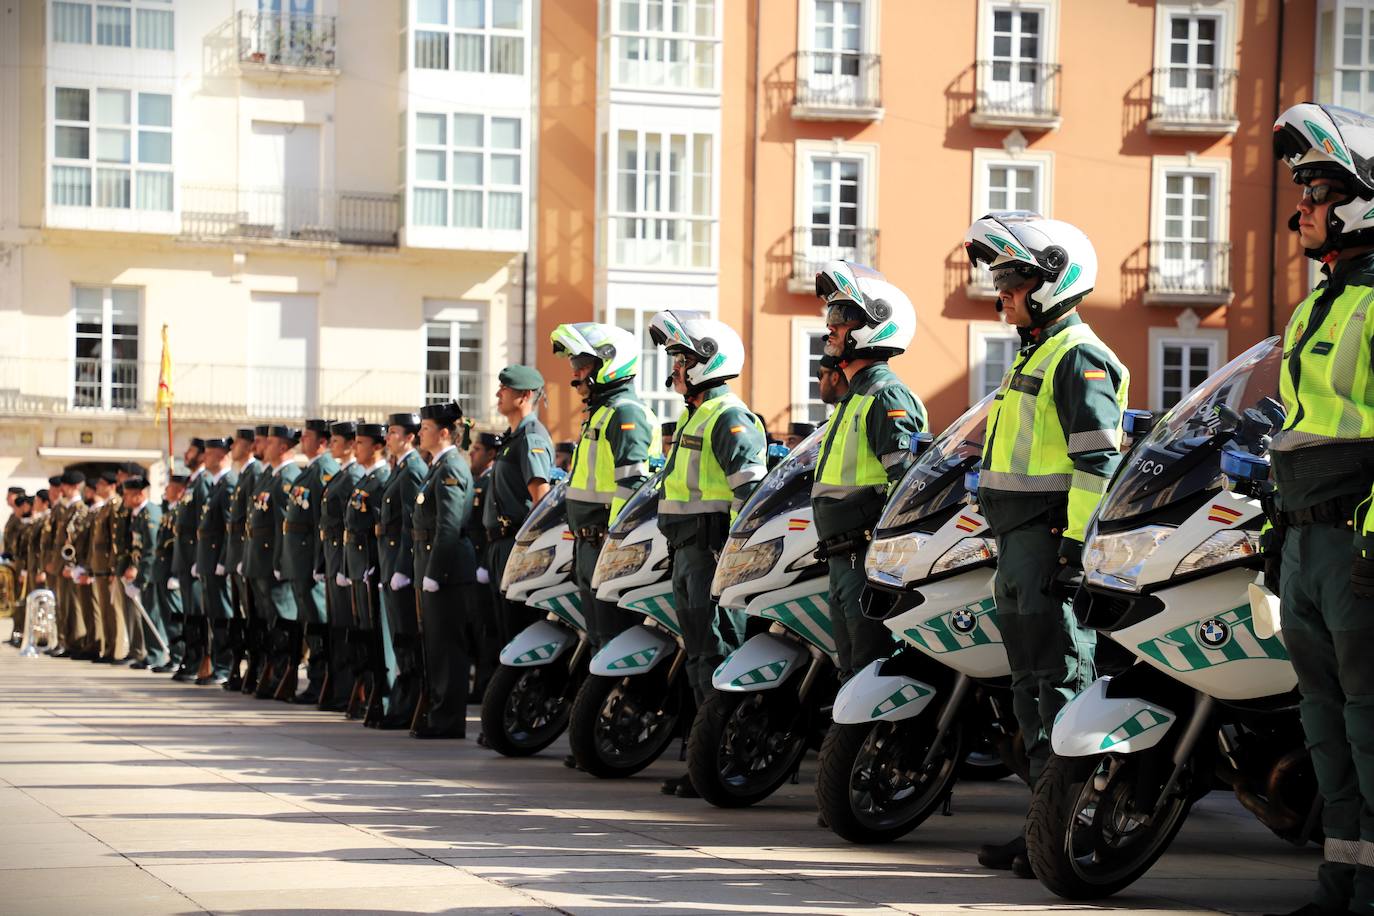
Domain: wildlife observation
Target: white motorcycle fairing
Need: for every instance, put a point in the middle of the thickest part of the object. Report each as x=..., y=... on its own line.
x=559, y=540
x=1093, y=723
x=869, y=696
x=956, y=624
x=635, y=651
x=563, y=601
x=540, y=643
x=763, y=662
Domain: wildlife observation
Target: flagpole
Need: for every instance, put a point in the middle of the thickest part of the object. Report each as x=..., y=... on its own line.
x=169, y=440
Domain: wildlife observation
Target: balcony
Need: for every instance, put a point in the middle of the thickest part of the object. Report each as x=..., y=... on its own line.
x=92, y=391
x=300, y=216
x=650, y=242
x=838, y=86
x=278, y=45
x=813, y=246
x=1193, y=101
x=1189, y=273
x=662, y=62
x=1019, y=94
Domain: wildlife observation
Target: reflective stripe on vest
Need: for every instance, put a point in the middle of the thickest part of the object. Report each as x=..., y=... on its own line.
x=1026, y=450
x=594, y=475
x=847, y=463
x=1333, y=399
x=694, y=482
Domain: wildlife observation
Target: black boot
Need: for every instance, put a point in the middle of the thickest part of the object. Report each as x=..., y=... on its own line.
x=405, y=693
x=334, y=697
x=237, y=637
x=317, y=638
x=376, y=678
x=1002, y=856
x=276, y=642
x=295, y=642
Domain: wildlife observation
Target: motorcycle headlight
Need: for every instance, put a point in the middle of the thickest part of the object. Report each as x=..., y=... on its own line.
x=888, y=558
x=1222, y=547
x=740, y=564
x=966, y=551
x=619, y=559
x=526, y=564
x=1115, y=560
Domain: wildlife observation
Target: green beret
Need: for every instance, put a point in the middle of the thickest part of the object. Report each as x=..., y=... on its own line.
x=521, y=378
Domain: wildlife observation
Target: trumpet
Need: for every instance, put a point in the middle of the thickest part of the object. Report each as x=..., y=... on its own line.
x=69, y=553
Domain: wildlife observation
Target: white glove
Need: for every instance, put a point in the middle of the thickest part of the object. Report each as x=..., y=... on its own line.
x=130, y=590
x=239, y=569
x=173, y=585
x=194, y=572
x=78, y=573
x=220, y=570
x=429, y=585
x=277, y=573
x=367, y=576
x=399, y=581
x=483, y=577
x=341, y=580
x=319, y=577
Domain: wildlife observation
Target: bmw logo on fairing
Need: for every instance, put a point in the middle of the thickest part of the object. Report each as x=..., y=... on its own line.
x=1213, y=633
x=963, y=620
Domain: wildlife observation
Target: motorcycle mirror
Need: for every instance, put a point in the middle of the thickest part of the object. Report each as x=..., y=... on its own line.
x=920, y=442
x=1274, y=411
x=1243, y=466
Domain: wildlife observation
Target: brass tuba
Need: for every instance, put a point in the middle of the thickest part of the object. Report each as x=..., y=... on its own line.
x=40, y=622
x=9, y=589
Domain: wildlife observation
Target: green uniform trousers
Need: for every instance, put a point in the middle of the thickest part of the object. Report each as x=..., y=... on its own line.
x=708, y=633
x=858, y=639
x=605, y=621
x=1330, y=638
x=1051, y=656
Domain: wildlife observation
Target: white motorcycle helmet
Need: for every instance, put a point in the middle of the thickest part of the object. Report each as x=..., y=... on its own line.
x=853, y=292
x=1324, y=141
x=1056, y=256
x=614, y=348
x=718, y=351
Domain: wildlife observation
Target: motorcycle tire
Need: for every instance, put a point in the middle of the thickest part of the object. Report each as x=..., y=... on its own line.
x=615, y=730
x=745, y=745
x=523, y=709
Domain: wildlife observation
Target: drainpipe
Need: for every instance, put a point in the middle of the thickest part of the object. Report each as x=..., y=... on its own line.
x=1274, y=181
x=752, y=304
x=525, y=308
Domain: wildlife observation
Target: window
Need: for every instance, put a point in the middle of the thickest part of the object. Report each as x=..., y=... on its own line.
x=469, y=171
x=127, y=164
x=1018, y=180
x=992, y=348
x=105, y=364
x=145, y=24
x=1345, y=53
x=471, y=36
x=664, y=44
x=808, y=346
x=1194, y=79
x=654, y=364
x=1180, y=360
x=1188, y=247
x=1016, y=72
x=836, y=206
x=661, y=201
x=453, y=365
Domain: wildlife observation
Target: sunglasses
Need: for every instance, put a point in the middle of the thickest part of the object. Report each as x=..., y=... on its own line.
x=1010, y=279
x=1319, y=194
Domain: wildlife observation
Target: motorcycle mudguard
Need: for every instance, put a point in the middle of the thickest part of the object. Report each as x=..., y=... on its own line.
x=869, y=696
x=637, y=650
x=763, y=662
x=1093, y=723
x=540, y=643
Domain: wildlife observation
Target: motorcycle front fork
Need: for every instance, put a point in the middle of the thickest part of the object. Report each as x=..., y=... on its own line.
x=1198, y=724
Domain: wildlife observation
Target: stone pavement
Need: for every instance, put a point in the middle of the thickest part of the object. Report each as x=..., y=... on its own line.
x=122, y=792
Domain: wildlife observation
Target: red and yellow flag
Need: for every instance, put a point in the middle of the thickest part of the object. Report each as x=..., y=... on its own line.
x=164, y=380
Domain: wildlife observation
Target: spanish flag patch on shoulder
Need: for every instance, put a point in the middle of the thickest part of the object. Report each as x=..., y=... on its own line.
x=627, y=426
x=536, y=451
x=893, y=414
x=737, y=429
x=1094, y=374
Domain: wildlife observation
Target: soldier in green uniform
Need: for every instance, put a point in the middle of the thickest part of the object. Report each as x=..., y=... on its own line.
x=9, y=546
x=100, y=565
x=1053, y=441
x=242, y=637
x=444, y=563
x=1320, y=551
x=195, y=629
x=611, y=457
x=165, y=585
x=717, y=460
x=135, y=567
x=520, y=477
x=300, y=534
x=484, y=636
x=33, y=556
x=50, y=561
x=78, y=549
x=273, y=600
x=329, y=571
x=396, y=554
x=119, y=541
x=211, y=571
x=360, y=569
x=867, y=445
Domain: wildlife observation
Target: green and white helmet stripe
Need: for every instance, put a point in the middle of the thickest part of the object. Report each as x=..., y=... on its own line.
x=1053, y=250
x=1326, y=141
x=614, y=346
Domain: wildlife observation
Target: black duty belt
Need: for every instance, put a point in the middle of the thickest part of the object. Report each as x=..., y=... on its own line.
x=844, y=544
x=393, y=530
x=501, y=532
x=592, y=534
x=260, y=530
x=422, y=534
x=1337, y=511
x=296, y=527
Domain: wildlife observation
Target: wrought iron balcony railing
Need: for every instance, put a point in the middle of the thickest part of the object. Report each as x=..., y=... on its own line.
x=1011, y=92
x=656, y=241
x=286, y=40
x=813, y=246
x=838, y=85
x=1189, y=271
x=1193, y=96
x=291, y=214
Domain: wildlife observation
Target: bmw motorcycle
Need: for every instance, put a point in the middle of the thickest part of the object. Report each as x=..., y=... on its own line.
x=1210, y=701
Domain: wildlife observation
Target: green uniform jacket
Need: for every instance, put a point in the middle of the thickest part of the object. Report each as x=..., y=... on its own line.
x=79, y=534
x=119, y=533
x=301, y=523
x=630, y=449
x=396, y=546
x=363, y=518
x=525, y=455
x=212, y=531
x=238, y=513
x=163, y=553
x=265, y=513
x=188, y=525
x=329, y=549
x=19, y=545
x=11, y=544
x=476, y=531
x=442, y=552
x=101, y=559
x=143, y=529
x=55, y=538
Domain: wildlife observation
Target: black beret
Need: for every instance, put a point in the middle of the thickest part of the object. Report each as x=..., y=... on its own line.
x=316, y=425
x=444, y=414
x=108, y=477
x=43, y=495
x=346, y=428
x=22, y=500
x=374, y=431
x=136, y=483
x=73, y=477
x=179, y=478
x=222, y=443
x=490, y=440
x=198, y=443
x=245, y=433
x=802, y=429
x=829, y=362
x=55, y=480
x=132, y=468
x=565, y=448
x=407, y=420
x=261, y=430
x=17, y=491
x=284, y=432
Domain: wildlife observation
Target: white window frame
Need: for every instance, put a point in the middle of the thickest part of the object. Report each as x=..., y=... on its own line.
x=1224, y=11
x=670, y=60
x=654, y=362
x=803, y=371
x=1161, y=167
x=134, y=168
x=984, y=160
x=978, y=333
x=806, y=152
x=830, y=87
x=106, y=349
x=459, y=315
x=449, y=184
x=1049, y=37
x=93, y=26
x=487, y=32
x=870, y=26
x=1213, y=338
x=644, y=236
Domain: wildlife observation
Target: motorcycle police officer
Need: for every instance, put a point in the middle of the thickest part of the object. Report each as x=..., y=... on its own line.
x=1320, y=556
x=717, y=461
x=1053, y=442
x=867, y=445
x=611, y=457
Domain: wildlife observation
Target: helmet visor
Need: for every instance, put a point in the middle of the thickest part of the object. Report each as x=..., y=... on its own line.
x=584, y=361
x=844, y=311
x=1013, y=277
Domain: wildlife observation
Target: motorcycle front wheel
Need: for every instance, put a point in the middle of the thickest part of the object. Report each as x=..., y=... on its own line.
x=745, y=745
x=620, y=725
x=524, y=709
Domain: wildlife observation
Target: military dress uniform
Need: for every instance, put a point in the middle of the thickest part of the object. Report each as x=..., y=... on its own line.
x=866, y=448
x=340, y=645
x=195, y=625
x=484, y=634
x=717, y=460
x=140, y=557
x=119, y=540
x=79, y=525
x=444, y=564
x=300, y=533
x=100, y=563
x=244, y=636
x=610, y=461
x=168, y=614
x=273, y=600
x=396, y=556
x=361, y=564
x=212, y=544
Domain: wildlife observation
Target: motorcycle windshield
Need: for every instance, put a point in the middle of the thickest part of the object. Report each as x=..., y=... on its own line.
x=935, y=482
x=786, y=488
x=1181, y=457
x=639, y=508
x=551, y=512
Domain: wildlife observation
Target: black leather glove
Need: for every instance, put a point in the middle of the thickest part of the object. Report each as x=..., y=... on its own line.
x=1362, y=577
x=1271, y=543
x=1068, y=576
